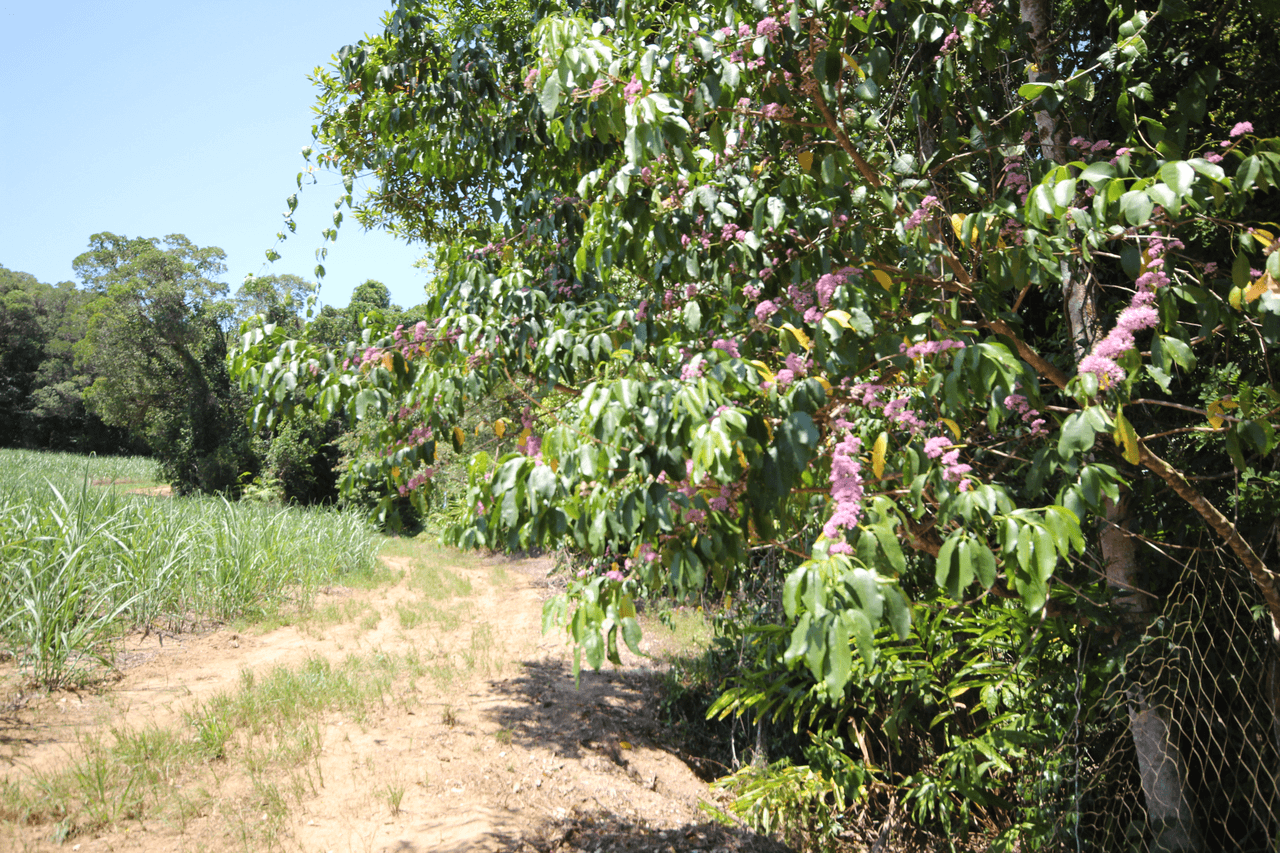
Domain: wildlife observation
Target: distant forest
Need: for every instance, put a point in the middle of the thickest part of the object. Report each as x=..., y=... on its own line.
x=131, y=359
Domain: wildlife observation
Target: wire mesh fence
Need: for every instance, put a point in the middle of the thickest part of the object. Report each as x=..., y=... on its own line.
x=1183, y=751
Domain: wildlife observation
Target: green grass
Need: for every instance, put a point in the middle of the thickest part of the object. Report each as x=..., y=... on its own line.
x=80, y=563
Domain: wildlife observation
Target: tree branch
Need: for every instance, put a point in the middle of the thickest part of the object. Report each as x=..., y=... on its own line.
x=1268, y=581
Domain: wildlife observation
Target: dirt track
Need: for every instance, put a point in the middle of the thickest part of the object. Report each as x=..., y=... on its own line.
x=488, y=746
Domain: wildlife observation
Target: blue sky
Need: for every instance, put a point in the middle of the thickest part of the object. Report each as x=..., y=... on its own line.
x=154, y=118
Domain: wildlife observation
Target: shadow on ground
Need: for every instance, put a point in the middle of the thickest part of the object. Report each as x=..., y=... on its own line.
x=607, y=833
x=609, y=716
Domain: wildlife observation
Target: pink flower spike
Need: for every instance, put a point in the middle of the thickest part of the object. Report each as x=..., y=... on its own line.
x=1241, y=129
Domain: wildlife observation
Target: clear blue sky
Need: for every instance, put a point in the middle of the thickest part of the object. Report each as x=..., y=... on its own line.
x=153, y=118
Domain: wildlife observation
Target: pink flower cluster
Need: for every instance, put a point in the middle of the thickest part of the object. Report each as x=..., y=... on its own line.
x=416, y=481
x=1016, y=177
x=1018, y=404
x=896, y=411
x=1086, y=146
x=826, y=287
x=936, y=446
x=846, y=492
x=955, y=470
x=796, y=366
x=766, y=309
x=728, y=345
x=769, y=28
x=918, y=215
x=948, y=44
x=928, y=348
x=532, y=446
x=1141, y=314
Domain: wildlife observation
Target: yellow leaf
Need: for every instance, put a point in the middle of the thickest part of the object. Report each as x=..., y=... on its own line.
x=1261, y=286
x=524, y=435
x=742, y=459
x=1234, y=297
x=764, y=370
x=1266, y=238
x=624, y=745
x=957, y=220
x=554, y=464
x=841, y=317
x=953, y=426
x=459, y=436
x=386, y=360
x=806, y=160
x=478, y=428
x=1217, y=407
x=1127, y=438
x=395, y=472
x=799, y=334
x=877, y=454
x=500, y=427
x=826, y=386
x=853, y=63
x=883, y=278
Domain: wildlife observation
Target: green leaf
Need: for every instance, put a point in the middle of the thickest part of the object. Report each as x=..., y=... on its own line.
x=593, y=647
x=890, y=546
x=984, y=564
x=1031, y=91
x=631, y=634
x=692, y=315
x=1136, y=206
x=1046, y=553
x=1179, y=176
x=366, y=398
x=551, y=94
x=1077, y=435
x=839, y=657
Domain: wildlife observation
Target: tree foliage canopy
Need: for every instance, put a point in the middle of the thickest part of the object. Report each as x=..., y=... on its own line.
x=156, y=341
x=890, y=291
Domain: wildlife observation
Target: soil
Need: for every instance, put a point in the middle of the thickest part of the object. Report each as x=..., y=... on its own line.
x=505, y=754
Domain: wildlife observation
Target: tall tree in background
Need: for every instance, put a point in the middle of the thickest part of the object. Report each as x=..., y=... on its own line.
x=278, y=298
x=156, y=341
x=925, y=306
x=41, y=388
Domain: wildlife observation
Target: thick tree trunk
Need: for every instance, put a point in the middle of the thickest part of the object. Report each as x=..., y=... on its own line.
x=1161, y=767
x=1160, y=764
x=1038, y=14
